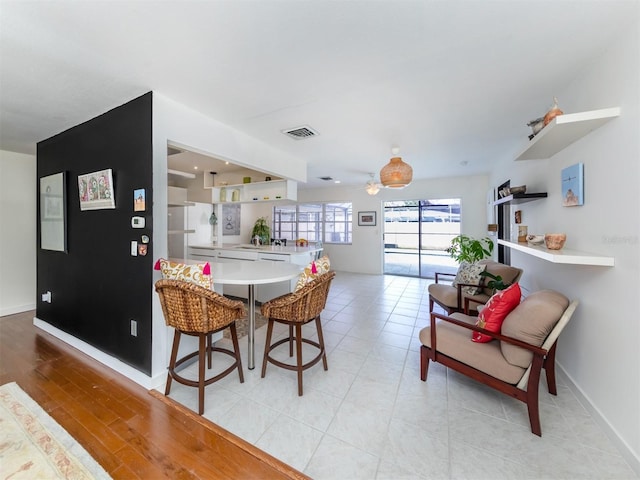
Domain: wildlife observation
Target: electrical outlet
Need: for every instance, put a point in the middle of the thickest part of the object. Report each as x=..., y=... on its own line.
x=46, y=297
x=134, y=328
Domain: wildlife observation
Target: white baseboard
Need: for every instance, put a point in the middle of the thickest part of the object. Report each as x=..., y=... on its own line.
x=17, y=309
x=108, y=360
x=623, y=447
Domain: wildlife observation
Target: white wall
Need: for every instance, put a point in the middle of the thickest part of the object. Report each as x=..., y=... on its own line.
x=17, y=232
x=600, y=348
x=365, y=254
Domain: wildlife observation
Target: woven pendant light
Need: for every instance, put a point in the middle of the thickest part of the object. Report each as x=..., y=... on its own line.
x=396, y=174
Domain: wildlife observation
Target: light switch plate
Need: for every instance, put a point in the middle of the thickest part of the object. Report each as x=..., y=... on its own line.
x=134, y=248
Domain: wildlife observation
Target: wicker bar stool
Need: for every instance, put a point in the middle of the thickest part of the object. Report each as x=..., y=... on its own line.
x=295, y=310
x=197, y=311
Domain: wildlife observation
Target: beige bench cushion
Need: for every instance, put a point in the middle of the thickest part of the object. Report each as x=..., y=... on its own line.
x=531, y=322
x=455, y=342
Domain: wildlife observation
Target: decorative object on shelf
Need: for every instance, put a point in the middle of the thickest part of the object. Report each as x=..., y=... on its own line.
x=492, y=227
x=517, y=190
x=555, y=241
x=552, y=113
x=468, y=249
x=372, y=187
x=518, y=216
x=573, y=185
x=536, y=125
x=267, y=179
x=534, y=240
x=235, y=195
x=522, y=233
x=367, y=219
x=223, y=194
x=261, y=230
x=396, y=174
x=246, y=179
x=302, y=242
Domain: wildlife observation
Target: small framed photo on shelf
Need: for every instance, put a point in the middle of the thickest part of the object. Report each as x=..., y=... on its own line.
x=367, y=219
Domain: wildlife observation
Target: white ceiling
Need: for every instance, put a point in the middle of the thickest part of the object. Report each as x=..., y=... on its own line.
x=447, y=81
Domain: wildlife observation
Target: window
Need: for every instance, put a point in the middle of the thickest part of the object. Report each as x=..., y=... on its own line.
x=326, y=222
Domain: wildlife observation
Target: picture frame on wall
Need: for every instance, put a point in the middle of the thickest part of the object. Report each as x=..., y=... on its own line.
x=95, y=190
x=367, y=219
x=573, y=185
x=53, y=218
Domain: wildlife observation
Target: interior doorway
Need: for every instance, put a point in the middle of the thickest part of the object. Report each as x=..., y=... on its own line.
x=416, y=235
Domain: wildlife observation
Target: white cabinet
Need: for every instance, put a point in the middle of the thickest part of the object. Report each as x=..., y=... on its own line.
x=563, y=131
x=274, y=190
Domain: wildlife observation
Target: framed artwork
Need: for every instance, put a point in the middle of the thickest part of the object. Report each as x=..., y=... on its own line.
x=139, y=200
x=53, y=222
x=573, y=185
x=96, y=190
x=230, y=219
x=367, y=219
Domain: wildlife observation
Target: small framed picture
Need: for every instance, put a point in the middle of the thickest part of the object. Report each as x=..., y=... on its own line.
x=139, y=200
x=573, y=185
x=367, y=219
x=96, y=190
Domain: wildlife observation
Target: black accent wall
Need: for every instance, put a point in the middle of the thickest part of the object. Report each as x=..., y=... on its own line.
x=97, y=286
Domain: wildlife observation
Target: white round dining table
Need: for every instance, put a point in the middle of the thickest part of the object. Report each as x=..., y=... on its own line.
x=252, y=273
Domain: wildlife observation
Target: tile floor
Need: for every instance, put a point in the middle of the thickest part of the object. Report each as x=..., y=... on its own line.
x=369, y=416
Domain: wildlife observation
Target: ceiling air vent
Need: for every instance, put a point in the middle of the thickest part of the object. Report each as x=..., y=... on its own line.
x=326, y=179
x=300, y=133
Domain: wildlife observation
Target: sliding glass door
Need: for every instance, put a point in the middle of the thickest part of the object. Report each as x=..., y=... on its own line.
x=416, y=234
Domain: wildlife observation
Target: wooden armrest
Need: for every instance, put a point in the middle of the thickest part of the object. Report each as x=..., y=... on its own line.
x=467, y=300
x=514, y=341
x=438, y=274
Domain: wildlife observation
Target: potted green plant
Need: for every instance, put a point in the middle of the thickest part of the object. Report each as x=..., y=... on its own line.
x=468, y=249
x=496, y=282
x=261, y=229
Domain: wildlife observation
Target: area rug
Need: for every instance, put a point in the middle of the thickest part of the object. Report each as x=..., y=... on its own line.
x=33, y=445
x=242, y=325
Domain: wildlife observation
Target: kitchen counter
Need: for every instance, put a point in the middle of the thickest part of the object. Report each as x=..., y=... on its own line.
x=288, y=250
x=301, y=256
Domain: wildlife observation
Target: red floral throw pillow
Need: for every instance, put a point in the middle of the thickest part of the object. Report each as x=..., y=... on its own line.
x=495, y=311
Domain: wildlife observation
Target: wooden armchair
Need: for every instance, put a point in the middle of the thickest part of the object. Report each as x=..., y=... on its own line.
x=454, y=299
x=511, y=363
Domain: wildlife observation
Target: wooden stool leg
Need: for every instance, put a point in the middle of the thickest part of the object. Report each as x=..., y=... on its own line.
x=291, y=340
x=172, y=361
x=201, y=355
x=299, y=356
x=267, y=348
x=236, y=349
x=209, y=351
x=321, y=342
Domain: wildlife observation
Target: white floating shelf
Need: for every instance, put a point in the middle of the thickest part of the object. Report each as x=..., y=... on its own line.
x=563, y=130
x=566, y=256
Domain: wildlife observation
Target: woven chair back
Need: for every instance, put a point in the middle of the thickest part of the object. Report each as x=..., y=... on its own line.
x=191, y=308
x=303, y=305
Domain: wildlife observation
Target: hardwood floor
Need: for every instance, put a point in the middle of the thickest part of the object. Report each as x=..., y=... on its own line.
x=131, y=432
